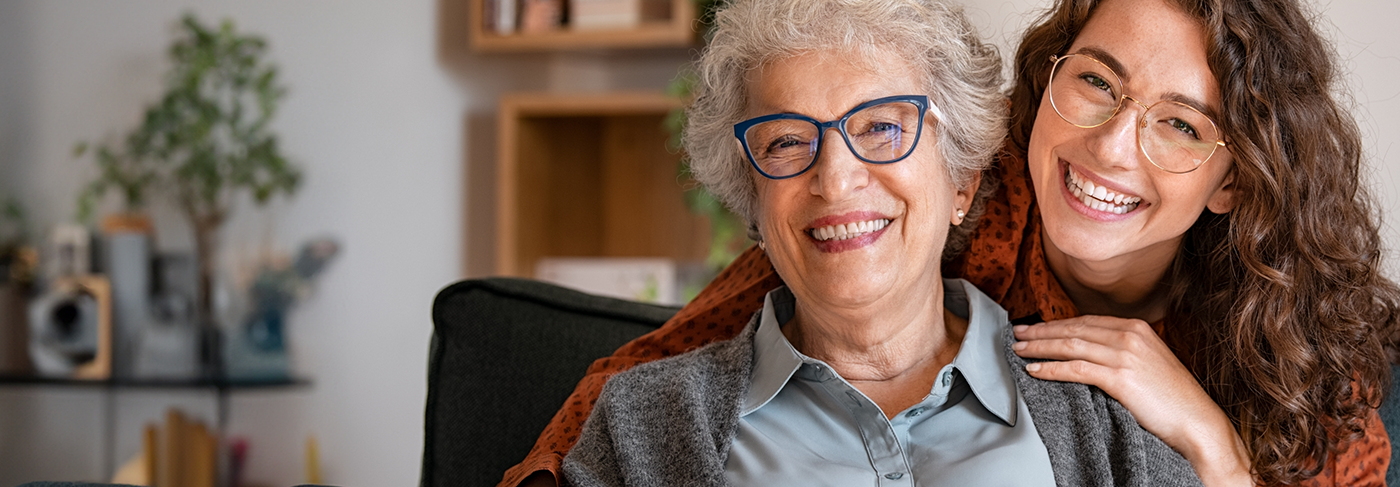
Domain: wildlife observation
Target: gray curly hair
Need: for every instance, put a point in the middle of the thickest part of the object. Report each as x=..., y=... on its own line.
x=962, y=79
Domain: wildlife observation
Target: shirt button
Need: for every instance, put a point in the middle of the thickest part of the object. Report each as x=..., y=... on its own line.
x=894, y=476
x=947, y=377
x=913, y=413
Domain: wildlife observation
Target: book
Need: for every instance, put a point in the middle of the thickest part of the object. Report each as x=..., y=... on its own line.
x=604, y=14
x=499, y=16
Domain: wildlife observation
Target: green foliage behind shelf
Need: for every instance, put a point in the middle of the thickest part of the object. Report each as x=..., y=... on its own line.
x=208, y=138
x=205, y=142
x=728, y=237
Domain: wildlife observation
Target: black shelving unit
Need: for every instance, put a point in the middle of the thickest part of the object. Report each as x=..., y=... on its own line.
x=221, y=388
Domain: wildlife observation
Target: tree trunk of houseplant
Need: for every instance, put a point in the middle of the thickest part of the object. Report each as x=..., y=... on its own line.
x=206, y=229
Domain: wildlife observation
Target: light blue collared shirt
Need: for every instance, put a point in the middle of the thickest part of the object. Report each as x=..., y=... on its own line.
x=802, y=424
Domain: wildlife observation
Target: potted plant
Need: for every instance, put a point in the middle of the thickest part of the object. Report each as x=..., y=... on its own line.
x=205, y=143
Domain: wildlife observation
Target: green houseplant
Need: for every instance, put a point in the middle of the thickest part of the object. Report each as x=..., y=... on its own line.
x=204, y=144
x=728, y=237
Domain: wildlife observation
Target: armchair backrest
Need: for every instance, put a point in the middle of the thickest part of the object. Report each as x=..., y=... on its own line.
x=505, y=354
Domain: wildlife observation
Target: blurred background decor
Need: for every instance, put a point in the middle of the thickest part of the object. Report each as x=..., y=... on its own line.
x=18, y=263
x=256, y=348
x=204, y=144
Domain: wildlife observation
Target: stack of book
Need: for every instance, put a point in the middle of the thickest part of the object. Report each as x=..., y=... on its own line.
x=180, y=453
x=505, y=17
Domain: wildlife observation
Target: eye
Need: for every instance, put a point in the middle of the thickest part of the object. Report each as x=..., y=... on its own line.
x=1183, y=127
x=878, y=127
x=1097, y=81
x=785, y=142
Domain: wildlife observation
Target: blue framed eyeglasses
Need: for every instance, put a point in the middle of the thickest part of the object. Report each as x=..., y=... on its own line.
x=880, y=131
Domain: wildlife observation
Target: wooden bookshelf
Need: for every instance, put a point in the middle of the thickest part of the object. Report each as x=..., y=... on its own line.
x=678, y=31
x=590, y=176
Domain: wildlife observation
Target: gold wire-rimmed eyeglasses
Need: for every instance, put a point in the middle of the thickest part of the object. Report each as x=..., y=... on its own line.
x=1176, y=137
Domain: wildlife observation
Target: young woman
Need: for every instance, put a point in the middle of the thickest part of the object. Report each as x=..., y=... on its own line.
x=1179, y=170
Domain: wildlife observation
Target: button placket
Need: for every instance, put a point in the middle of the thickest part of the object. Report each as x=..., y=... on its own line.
x=882, y=444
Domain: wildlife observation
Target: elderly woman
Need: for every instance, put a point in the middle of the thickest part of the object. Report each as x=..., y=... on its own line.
x=862, y=129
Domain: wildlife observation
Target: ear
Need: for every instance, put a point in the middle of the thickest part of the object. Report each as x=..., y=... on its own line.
x=963, y=200
x=1223, y=200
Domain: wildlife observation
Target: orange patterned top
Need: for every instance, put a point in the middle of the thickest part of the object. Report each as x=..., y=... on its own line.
x=1005, y=259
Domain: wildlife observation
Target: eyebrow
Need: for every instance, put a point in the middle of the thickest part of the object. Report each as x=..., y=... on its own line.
x=1117, y=67
x=1193, y=103
x=1108, y=60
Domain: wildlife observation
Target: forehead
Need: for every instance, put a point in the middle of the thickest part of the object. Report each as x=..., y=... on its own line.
x=1161, y=49
x=825, y=84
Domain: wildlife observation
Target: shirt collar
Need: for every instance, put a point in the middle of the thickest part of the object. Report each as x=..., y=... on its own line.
x=774, y=358
x=979, y=360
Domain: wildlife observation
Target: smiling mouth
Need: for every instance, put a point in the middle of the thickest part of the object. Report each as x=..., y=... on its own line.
x=848, y=230
x=1098, y=197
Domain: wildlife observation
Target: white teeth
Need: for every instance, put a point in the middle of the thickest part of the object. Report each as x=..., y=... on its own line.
x=848, y=230
x=1099, y=197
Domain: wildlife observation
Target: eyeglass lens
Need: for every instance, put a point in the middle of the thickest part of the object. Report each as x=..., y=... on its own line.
x=1175, y=136
x=877, y=134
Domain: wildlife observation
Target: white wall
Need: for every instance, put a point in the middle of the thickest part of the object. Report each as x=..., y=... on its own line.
x=391, y=118
x=375, y=122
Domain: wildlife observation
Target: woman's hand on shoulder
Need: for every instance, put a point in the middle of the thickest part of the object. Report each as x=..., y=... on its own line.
x=1127, y=359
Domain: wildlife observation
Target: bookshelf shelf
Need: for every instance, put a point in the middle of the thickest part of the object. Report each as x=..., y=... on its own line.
x=221, y=388
x=590, y=176
x=232, y=384
x=677, y=32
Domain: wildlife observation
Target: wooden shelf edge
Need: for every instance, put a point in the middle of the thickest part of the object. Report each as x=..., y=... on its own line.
x=646, y=36
x=32, y=380
x=575, y=104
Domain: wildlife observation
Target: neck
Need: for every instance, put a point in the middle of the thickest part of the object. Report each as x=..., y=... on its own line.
x=892, y=351
x=1127, y=286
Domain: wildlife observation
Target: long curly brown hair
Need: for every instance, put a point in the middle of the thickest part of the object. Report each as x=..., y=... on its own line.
x=1278, y=307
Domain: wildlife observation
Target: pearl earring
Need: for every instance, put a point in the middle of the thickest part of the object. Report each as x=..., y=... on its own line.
x=961, y=214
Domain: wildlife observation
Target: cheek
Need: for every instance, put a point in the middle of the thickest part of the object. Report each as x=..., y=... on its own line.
x=1044, y=135
x=774, y=204
x=1195, y=193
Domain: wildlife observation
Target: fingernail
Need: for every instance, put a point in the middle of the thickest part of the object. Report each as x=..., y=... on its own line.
x=1032, y=367
x=1019, y=328
x=1018, y=346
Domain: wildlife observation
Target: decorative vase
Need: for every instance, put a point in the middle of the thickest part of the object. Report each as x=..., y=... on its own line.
x=127, y=257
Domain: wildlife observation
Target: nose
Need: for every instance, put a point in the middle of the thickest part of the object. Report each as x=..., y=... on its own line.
x=1115, y=143
x=838, y=172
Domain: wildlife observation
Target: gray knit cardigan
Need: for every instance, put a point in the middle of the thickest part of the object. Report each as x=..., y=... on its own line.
x=670, y=423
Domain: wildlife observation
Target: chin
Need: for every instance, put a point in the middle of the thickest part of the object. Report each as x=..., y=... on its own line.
x=843, y=290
